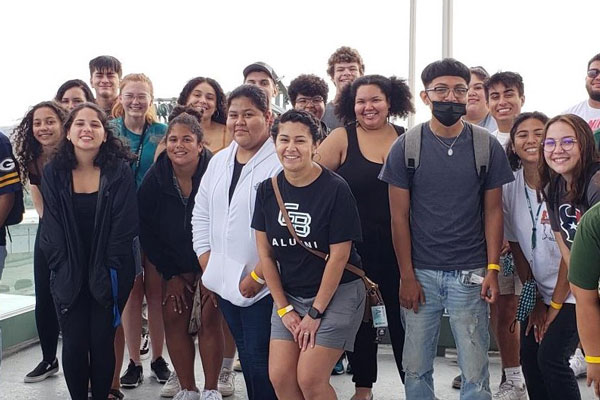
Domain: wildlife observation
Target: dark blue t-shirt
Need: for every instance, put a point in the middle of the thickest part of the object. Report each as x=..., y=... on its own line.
x=446, y=218
x=9, y=175
x=322, y=213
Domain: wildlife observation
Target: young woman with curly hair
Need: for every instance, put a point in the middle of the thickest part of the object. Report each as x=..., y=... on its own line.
x=36, y=140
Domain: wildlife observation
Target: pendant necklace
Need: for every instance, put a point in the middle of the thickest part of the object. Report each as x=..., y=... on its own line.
x=450, y=151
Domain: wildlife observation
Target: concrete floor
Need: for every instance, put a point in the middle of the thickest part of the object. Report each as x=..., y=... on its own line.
x=388, y=386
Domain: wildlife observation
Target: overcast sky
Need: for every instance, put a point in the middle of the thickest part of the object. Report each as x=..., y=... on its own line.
x=44, y=43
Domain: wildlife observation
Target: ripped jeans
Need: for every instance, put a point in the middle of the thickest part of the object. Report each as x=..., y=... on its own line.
x=469, y=319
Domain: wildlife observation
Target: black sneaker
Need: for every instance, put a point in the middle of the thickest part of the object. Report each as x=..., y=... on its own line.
x=133, y=377
x=160, y=370
x=42, y=371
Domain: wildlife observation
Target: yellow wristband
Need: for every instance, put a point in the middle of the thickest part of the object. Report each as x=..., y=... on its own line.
x=592, y=360
x=494, y=267
x=556, y=306
x=284, y=310
x=257, y=278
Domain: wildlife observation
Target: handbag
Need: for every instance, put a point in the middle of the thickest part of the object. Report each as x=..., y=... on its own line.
x=373, y=295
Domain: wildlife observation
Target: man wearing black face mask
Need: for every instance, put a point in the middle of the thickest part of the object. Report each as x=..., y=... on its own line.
x=447, y=232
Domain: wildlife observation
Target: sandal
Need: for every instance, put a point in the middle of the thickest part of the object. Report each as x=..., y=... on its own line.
x=115, y=394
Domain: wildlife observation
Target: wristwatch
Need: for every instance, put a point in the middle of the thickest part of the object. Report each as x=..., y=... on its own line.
x=314, y=313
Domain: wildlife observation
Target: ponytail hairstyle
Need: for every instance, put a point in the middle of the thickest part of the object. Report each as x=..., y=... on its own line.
x=396, y=91
x=188, y=116
x=118, y=110
x=513, y=158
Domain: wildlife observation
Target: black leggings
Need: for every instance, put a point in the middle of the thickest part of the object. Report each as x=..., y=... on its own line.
x=88, y=351
x=364, y=357
x=546, y=365
x=45, y=312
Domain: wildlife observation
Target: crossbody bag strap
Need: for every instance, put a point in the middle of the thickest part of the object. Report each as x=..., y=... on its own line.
x=292, y=231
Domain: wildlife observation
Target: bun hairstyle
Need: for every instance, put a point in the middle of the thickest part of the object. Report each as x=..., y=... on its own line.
x=189, y=117
x=302, y=117
x=396, y=91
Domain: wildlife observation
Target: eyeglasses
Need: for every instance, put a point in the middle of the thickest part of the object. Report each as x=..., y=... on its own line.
x=460, y=92
x=593, y=72
x=566, y=143
x=139, y=97
x=303, y=101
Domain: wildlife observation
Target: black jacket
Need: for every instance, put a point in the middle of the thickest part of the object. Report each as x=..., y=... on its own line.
x=165, y=221
x=112, y=261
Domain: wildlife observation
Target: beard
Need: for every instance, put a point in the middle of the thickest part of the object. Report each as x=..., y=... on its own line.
x=594, y=94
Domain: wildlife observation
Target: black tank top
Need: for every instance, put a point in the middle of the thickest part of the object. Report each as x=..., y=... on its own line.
x=372, y=200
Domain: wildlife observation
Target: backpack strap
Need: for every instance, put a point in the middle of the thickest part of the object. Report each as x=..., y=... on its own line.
x=412, y=151
x=481, y=150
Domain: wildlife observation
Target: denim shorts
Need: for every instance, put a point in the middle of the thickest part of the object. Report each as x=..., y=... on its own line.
x=340, y=322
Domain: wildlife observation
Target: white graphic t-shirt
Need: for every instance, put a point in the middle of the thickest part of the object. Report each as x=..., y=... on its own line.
x=589, y=114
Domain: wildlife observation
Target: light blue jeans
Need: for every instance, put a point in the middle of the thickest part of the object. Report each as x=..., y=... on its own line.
x=469, y=318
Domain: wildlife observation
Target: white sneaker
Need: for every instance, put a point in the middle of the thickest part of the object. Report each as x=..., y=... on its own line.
x=145, y=346
x=237, y=365
x=172, y=386
x=578, y=364
x=226, y=382
x=211, y=395
x=508, y=391
x=187, y=395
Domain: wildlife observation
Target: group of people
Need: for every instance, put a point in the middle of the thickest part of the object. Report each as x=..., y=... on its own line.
x=252, y=230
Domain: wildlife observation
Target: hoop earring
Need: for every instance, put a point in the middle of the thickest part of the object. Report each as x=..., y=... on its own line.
x=316, y=157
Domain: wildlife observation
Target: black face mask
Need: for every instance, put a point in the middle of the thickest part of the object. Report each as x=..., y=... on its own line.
x=447, y=112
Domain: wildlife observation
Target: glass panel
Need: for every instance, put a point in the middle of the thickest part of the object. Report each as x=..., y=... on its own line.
x=16, y=281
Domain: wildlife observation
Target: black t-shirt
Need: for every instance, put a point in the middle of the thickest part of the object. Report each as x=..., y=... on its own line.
x=322, y=213
x=237, y=171
x=84, y=208
x=564, y=216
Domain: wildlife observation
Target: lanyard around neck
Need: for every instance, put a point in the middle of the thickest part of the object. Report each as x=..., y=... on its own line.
x=140, y=149
x=535, y=219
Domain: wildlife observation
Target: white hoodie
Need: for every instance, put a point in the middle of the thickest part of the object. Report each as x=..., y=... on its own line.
x=223, y=228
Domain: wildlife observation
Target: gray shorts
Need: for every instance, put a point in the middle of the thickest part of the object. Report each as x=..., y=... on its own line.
x=339, y=324
x=509, y=284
